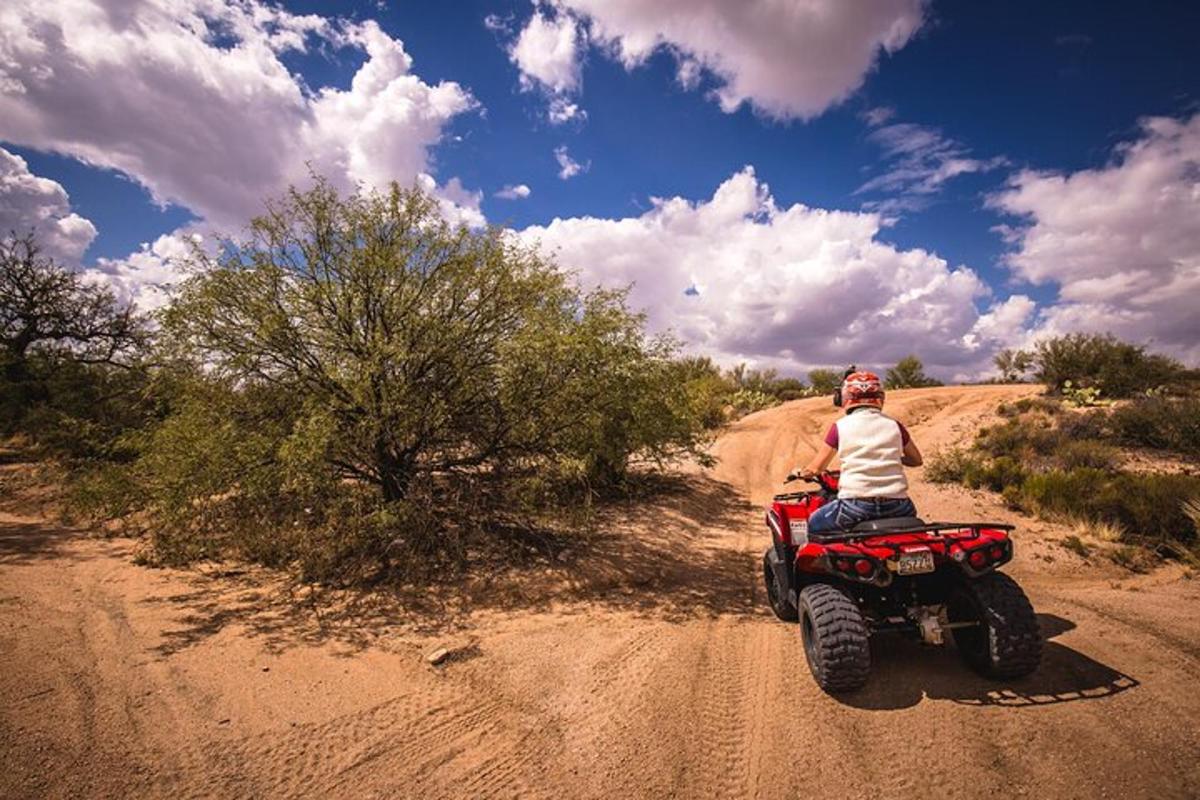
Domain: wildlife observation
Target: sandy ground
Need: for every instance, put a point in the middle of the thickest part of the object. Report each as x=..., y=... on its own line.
x=646, y=665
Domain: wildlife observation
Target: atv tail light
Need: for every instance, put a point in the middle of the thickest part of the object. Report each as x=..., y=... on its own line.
x=978, y=559
x=842, y=564
x=863, y=567
x=997, y=553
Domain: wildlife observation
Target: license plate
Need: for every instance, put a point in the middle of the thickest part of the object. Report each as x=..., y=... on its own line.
x=915, y=562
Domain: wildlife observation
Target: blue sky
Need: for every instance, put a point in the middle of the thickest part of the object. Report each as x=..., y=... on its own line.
x=1009, y=97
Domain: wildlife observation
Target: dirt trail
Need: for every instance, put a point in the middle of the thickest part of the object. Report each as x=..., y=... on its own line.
x=647, y=667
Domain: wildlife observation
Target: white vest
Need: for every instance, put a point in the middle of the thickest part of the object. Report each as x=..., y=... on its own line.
x=870, y=448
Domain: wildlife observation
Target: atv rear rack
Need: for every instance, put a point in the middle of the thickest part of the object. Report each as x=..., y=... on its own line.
x=933, y=527
x=783, y=498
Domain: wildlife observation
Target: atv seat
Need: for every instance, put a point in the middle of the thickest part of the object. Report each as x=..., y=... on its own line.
x=890, y=524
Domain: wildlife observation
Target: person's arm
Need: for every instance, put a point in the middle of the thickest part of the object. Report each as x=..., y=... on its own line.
x=820, y=460
x=912, y=455
x=818, y=464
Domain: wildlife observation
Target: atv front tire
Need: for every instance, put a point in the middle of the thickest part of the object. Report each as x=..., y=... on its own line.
x=835, y=638
x=777, y=593
x=1007, y=642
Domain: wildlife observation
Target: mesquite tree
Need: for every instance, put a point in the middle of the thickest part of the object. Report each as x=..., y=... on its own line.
x=46, y=306
x=54, y=324
x=409, y=348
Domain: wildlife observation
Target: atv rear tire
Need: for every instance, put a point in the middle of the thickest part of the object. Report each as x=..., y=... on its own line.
x=777, y=594
x=1007, y=643
x=835, y=638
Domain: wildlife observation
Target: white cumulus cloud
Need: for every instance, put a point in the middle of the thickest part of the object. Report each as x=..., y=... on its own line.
x=191, y=98
x=547, y=52
x=518, y=192
x=149, y=275
x=739, y=277
x=786, y=59
x=568, y=167
x=1121, y=242
x=29, y=202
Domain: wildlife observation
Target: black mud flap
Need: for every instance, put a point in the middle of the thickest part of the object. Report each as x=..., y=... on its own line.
x=783, y=574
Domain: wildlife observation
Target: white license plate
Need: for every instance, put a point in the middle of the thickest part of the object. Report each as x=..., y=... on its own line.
x=915, y=562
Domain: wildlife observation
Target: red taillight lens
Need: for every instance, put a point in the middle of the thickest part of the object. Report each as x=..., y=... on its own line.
x=863, y=567
x=978, y=559
x=843, y=565
x=997, y=553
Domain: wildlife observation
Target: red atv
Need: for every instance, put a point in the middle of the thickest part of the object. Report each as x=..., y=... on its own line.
x=900, y=574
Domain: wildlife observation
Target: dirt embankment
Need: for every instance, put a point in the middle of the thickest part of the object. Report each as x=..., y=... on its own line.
x=644, y=665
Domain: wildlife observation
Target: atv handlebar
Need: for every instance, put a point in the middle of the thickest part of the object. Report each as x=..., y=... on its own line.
x=821, y=479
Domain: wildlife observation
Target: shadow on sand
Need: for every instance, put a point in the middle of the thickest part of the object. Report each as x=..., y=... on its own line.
x=903, y=672
x=28, y=541
x=673, y=552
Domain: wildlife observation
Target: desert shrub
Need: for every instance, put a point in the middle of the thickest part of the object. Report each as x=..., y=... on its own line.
x=747, y=401
x=1093, y=361
x=99, y=489
x=1060, y=493
x=1132, y=558
x=1000, y=473
x=1150, y=508
x=1050, y=406
x=909, y=373
x=1083, y=425
x=788, y=388
x=1158, y=422
x=786, y=395
x=749, y=387
x=1020, y=438
x=951, y=465
x=1060, y=442
x=1013, y=364
x=824, y=381
x=1087, y=453
x=958, y=465
x=1047, y=405
x=1059, y=464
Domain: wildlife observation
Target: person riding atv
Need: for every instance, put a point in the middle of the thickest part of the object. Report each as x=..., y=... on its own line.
x=874, y=449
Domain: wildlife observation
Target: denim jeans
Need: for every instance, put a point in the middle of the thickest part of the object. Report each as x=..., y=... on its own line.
x=843, y=514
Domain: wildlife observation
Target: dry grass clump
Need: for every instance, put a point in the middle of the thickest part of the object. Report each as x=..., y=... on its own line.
x=1095, y=529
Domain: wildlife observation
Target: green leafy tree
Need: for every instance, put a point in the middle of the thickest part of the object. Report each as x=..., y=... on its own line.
x=754, y=380
x=54, y=327
x=414, y=349
x=765, y=386
x=1013, y=365
x=705, y=385
x=909, y=373
x=1101, y=361
x=824, y=381
x=359, y=379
